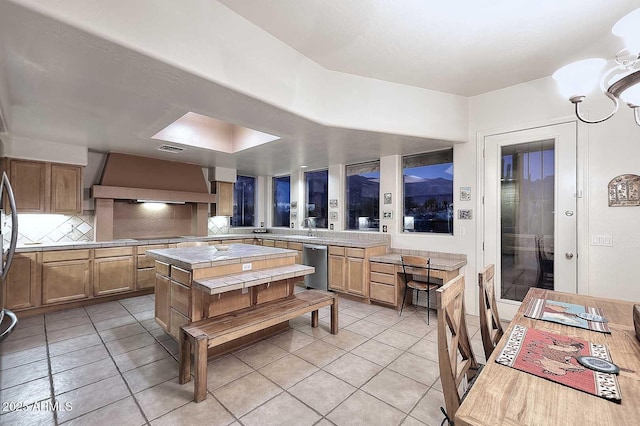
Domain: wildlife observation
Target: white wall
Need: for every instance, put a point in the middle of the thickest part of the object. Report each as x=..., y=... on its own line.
x=604, y=151
x=30, y=149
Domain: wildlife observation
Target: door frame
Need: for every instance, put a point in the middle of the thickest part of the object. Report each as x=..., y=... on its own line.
x=582, y=200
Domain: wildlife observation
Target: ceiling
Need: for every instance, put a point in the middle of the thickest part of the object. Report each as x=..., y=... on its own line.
x=70, y=86
x=465, y=47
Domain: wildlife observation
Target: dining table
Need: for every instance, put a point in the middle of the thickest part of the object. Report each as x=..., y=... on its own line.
x=502, y=395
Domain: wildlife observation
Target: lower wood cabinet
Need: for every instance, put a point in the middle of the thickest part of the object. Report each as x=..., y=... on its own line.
x=22, y=287
x=113, y=275
x=163, y=300
x=355, y=275
x=66, y=280
x=337, y=272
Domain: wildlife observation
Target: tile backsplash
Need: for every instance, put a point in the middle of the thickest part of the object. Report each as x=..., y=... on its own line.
x=218, y=225
x=50, y=228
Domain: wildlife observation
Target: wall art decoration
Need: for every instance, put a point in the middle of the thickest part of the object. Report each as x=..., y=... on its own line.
x=387, y=198
x=465, y=214
x=333, y=203
x=465, y=193
x=624, y=191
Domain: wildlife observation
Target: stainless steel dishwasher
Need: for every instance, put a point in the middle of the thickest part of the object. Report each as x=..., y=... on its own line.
x=316, y=256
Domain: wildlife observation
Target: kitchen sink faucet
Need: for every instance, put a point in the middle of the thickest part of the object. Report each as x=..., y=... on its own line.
x=310, y=224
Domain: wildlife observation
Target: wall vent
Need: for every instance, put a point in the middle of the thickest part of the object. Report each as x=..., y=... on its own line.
x=170, y=148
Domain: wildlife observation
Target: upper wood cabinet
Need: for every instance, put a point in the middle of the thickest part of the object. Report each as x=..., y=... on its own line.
x=41, y=187
x=224, y=204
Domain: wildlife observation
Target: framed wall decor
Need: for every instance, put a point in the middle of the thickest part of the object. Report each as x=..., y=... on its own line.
x=465, y=214
x=465, y=193
x=387, y=198
x=624, y=191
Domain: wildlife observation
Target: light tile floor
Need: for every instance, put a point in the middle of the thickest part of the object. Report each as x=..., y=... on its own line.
x=111, y=364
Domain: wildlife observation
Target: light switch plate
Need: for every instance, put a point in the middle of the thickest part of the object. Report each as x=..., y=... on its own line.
x=602, y=240
x=247, y=266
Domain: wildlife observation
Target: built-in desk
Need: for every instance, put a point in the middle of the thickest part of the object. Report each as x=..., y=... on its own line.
x=386, y=284
x=194, y=283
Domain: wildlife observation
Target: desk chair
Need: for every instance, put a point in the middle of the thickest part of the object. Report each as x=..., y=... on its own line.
x=490, y=326
x=412, y=268
x=545, y=265
x=455, y=356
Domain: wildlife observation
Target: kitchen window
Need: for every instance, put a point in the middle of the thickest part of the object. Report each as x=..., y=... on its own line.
x=244, y=201
x=363, y=196
x=317, y=189
x=428, y=192
x=281, y=200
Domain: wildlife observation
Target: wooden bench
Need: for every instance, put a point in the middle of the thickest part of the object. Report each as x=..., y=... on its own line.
x=212, y=332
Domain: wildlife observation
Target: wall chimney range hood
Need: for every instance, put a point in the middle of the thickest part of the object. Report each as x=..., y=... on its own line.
x=129, y=182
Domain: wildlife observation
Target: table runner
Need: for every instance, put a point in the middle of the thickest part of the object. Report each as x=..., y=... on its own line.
x=565, y=313
x=553, y=357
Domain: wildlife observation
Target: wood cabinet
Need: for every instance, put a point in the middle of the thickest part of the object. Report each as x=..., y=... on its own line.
x=382, y=286
x=41, y=187
x=145, y=271
x=66, y=189
x=163, y=298
x=355, y=275
x=337, y=269
x=22, y=288
x=66, y=276
x=113, y=271
x=224, y=203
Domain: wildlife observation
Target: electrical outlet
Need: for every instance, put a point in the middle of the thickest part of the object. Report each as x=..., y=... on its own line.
x=247, y=266
x=384, y=228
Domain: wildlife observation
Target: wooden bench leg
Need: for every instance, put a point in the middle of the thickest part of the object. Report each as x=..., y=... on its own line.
x=334, y=316
x=200, y=361
x=185, y=358
x=314, y=318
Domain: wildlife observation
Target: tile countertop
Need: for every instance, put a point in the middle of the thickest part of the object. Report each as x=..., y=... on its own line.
x=206, y=256
x=26, y=248
x=440, y=263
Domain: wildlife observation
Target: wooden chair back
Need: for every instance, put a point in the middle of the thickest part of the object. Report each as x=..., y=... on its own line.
x=455, y=356
x=415, y=265
x=636, y=320
x=490, y=326
x=192, y=244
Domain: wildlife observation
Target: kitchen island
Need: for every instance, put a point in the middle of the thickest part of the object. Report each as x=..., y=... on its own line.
x=194, y=283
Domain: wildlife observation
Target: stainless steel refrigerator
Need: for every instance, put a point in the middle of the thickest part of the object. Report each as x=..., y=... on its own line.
x=8, y=319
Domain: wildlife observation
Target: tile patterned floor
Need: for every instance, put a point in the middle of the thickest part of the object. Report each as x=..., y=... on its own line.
x=112, y=364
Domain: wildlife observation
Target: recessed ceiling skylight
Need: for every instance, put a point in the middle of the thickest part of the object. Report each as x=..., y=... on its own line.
x=205, y=132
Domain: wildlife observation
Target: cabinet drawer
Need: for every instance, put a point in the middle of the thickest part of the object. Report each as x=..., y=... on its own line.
x=143, y=249
x=180, y=298
x=215, y=243
x=162, y=268
x=385, y=268
x=282, y=244
x=177, y=320
x=249, y=241
x=383, y=293
x=295, y=246
x=113, y=252
x=355, y=252
x=145, y=261
x=181, y=275
x=146, y=278
x=336, y=251
x=233, y=241
x=55, y=256
x=383, y=278
x=268, y=243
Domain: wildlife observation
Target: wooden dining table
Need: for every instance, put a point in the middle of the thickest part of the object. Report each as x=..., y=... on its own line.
x=505, y=396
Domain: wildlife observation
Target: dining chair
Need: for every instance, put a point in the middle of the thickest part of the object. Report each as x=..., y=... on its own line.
x=490, y=326
x=545, y=265
x=636, y=320
x=458, y=365
x=417, y=276
x=192, y=244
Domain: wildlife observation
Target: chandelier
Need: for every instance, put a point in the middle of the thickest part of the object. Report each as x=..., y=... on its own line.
x=621, y=82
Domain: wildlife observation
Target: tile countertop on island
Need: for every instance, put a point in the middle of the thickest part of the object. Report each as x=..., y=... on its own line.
x=34, y=247
x=198, y=257
x=441, y=263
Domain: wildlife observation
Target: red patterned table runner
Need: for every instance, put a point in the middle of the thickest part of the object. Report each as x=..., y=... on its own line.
x=553, y=357
x=565, y=313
